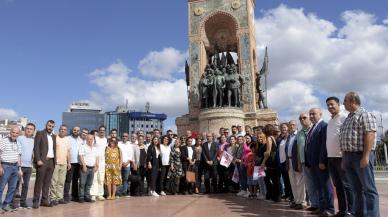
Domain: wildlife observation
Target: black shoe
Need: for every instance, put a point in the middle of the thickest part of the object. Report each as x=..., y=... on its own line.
x=54, y=202
x=89, y=200
x=292, y=205
x=81, y=201
x=47, y=204
x=311, y=208
x=62, y=202
x=298, y=206
x=317, y=212
x=35, y=206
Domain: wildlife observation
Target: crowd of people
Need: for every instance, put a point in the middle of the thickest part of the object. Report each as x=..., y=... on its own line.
x=271, y=163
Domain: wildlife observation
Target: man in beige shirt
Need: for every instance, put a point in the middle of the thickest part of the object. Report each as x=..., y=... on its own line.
x=62, y=164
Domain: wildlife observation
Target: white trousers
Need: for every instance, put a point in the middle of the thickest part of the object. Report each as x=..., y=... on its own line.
x=97, y=188
x=297, y=184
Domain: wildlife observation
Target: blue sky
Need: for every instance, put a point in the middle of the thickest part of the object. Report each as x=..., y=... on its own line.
x=48, y=48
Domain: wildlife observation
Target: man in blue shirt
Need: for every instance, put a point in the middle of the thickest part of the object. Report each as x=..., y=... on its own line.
x=26, y=143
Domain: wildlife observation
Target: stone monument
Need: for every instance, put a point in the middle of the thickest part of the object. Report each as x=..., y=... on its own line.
x=224, y=84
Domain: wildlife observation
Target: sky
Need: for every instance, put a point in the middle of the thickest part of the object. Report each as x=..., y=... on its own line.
x=54, y=52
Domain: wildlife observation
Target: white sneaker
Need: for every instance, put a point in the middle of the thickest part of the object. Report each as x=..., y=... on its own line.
x=155, y=194
x=100, y=198
x=162, y=193
x=150, y=193
x=240, y=193
x=246, y=195
x=93, y=198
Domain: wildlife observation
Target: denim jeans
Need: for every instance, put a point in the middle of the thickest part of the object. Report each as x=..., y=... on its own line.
x=311, y=187
x=125, y=172
x=362, y=184
x=86, y=181
x=325, y=189
x=344, y=194
x=243, y=177
x=27, y=171
x=9, y=177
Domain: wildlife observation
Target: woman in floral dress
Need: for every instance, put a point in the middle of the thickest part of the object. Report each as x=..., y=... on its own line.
x=175, y=172
x=113, y=160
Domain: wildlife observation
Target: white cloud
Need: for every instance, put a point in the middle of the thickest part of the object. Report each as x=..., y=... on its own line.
x=291, y=98
x=6, y=113
x=116, y=86
x=385, y=21
x=328, y=59
x=163, y=64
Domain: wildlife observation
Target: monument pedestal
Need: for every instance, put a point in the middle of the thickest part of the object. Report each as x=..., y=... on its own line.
x=211, y=120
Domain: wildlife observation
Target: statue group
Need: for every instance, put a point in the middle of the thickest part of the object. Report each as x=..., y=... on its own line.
x=220, y=83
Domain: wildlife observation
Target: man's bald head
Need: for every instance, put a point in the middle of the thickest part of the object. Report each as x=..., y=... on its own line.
x=315, y=115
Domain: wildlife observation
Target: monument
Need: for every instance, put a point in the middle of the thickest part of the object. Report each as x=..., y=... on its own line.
x=225, y=86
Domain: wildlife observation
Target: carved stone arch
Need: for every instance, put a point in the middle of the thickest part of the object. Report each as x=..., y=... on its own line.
x=218, y=31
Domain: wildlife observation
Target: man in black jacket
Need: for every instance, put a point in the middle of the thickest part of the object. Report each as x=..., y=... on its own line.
x=209, y=160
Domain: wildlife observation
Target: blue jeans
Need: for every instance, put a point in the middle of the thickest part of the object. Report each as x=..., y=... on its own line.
x=125, y=172
x=344, y=193
x=243, y=177
x=9, y=177
x=325, y=189
x=362, y=184
x=86, y=181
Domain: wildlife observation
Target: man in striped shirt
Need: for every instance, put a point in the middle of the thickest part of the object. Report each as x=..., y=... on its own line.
x=10, y=152
x=358, y=140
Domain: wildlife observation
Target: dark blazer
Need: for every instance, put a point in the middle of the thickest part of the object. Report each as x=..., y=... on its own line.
x=210, y=155
x=294, y=153
x=151, y=156
x=315, y=146
x=41, y=146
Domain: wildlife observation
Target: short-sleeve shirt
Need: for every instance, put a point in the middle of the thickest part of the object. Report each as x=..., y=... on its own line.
x=89, y=154
x=353, y=129
x=10, y=151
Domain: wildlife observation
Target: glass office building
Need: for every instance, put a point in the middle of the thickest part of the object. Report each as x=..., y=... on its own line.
x=84, y=115
x=132, y=121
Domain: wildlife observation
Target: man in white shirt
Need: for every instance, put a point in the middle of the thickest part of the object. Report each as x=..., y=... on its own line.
x=72, y=175
x=97, y=189
x=334, y=155
x=89, y=164
x=127, y=155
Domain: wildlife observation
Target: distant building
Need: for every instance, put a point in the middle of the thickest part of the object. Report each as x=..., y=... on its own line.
x=84, y=115
x=6, y=125
x=132, y=121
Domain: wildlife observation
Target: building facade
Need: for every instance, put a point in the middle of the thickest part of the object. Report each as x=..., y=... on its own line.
x=84, y=115
x=6, y=125
x=133, y=121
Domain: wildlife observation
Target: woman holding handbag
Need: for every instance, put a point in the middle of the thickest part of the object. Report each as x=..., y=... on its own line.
x=190, y=169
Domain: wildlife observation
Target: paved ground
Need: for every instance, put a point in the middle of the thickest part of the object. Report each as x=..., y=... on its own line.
x=197, y=206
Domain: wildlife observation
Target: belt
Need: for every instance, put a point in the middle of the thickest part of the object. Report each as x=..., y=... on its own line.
x=10, y=164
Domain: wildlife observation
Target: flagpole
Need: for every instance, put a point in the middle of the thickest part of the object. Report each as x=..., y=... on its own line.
x=266, y=73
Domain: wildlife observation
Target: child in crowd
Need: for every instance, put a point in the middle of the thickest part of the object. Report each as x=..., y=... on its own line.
x=251, y=162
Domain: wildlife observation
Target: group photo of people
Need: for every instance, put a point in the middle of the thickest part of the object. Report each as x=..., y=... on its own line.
x=305, y=162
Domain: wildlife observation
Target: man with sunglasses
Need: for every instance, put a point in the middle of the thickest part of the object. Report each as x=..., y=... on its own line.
x=10, y=152
x=306, y=180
